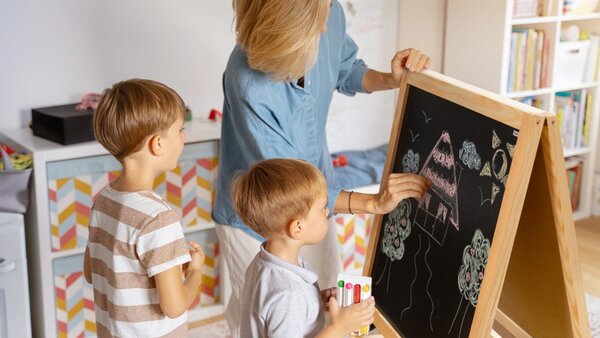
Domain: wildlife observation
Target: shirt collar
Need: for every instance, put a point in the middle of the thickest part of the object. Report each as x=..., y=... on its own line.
x=303, y=271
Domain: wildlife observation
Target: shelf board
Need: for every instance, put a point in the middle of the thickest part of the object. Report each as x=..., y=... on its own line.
x=80, y=251
x=534, y=20
x=577, y=87
x=580, y=17
x=576, y=151
x=535, y=92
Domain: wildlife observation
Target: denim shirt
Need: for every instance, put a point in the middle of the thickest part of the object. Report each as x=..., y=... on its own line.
x=265, y=119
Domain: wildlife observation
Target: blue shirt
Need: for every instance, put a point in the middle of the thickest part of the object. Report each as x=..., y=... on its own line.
x=265, y=119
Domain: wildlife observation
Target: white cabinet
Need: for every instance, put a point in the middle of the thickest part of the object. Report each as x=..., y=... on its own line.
x=479, y=35
x=14, y=294
x=65, y=181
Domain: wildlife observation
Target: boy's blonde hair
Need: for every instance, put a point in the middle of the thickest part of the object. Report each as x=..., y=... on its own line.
x=274, y=192
x=131, y=111
x=280, y=37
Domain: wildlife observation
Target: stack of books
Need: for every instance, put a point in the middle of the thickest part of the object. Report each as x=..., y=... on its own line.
x=528, y=66
x=573, y=111
x=528, y=8
x=533, y=101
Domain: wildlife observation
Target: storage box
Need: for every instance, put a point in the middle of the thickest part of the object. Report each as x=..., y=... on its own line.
x=569, y=65
x=63, y=124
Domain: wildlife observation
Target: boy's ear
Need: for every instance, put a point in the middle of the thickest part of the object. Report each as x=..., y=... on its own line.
x=296, y=229
x=155, y=145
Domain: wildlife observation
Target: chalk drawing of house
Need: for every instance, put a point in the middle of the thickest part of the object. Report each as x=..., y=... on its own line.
x=439, y=206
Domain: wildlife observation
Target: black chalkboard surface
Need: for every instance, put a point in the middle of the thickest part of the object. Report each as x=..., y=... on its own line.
x=431, y=254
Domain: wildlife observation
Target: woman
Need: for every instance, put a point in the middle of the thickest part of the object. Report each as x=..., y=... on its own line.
x=290, y=56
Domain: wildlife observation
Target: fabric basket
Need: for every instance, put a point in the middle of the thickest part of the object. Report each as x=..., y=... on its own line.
x=14, y=193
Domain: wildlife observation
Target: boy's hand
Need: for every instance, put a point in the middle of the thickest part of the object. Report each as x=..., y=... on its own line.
x=348, y=319
x=197, y=262
x=328, y=294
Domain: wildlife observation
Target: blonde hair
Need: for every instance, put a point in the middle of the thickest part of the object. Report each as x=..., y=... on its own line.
x=280, y=37
x=131, y=111
x=274, y=192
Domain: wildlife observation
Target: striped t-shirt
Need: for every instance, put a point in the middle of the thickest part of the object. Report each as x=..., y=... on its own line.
x=133, y=236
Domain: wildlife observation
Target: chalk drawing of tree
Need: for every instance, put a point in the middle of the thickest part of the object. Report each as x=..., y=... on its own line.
x=470, y=274
x=396, y=229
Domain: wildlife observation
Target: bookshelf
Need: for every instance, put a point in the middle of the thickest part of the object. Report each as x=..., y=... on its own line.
x=480, y=49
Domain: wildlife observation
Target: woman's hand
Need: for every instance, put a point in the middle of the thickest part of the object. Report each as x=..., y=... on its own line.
x=410, y=59
x=398, y=187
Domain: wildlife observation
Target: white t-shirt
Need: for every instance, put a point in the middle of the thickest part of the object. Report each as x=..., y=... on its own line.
x=280, y=299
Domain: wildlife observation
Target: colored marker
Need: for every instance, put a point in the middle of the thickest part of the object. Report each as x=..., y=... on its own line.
x=366, y=291
x=348, y=295
x=340, y=293
x=356, y=300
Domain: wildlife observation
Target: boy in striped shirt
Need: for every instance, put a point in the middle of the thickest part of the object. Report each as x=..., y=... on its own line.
x=137, y=259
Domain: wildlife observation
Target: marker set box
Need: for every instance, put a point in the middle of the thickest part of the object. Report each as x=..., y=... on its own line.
x=352, y=289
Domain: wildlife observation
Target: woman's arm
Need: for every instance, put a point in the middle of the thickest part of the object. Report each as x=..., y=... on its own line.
x=409, y=59
x=394, y=189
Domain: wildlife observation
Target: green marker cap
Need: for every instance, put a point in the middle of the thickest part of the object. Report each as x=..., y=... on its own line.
x=341, y=283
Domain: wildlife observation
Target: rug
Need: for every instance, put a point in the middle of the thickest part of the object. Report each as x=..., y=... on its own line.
x=593, y=307
x=218, y=329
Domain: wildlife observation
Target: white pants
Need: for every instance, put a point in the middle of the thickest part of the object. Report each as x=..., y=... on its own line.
x=238, y=249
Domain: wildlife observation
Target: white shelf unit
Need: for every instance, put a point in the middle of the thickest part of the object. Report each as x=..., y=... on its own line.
x=46, y=260
x=478, y=48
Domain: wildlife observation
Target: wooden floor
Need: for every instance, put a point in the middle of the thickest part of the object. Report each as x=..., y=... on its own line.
x=588, y=241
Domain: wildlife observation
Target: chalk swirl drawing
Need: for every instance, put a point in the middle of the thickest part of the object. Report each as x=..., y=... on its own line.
x=469, y=156
x=498, y=167
x=471, y=272
x=396, y=229
x=410, y=162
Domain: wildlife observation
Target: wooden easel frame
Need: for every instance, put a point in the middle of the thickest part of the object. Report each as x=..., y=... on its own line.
x=531, y=123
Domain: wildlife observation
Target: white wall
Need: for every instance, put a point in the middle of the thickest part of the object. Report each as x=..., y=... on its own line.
x=52, y=52
x=421, y=25
x=55, y=51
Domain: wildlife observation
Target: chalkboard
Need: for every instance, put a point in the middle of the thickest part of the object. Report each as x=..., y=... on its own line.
x=430, y=257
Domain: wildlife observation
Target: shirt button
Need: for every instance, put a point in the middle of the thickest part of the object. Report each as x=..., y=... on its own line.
x=308, y=83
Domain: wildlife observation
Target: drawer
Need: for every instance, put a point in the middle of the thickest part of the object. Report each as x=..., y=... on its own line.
x=12, y=243
x=73, y=299
x=353, y=237
x=209, y=293
x=73, y=185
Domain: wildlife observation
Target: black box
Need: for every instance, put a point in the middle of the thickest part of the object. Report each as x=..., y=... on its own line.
x=63, y=124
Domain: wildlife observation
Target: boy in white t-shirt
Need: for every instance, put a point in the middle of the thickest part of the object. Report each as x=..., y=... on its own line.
x=136, y=248
x=285, y=201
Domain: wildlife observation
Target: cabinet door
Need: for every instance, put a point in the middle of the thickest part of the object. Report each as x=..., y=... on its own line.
x=73, y=185
x=74, y=299
x=209, y=292
x=353, y=236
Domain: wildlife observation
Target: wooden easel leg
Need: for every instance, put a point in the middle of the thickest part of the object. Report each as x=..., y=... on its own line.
x=543, y=292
